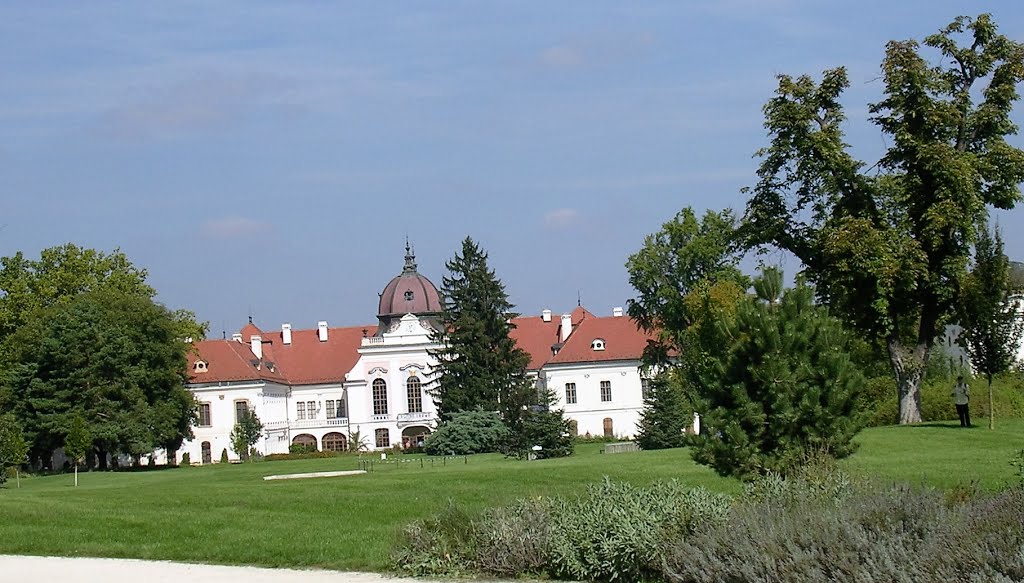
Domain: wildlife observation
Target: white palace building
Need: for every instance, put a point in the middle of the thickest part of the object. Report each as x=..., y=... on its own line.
x=318, y=386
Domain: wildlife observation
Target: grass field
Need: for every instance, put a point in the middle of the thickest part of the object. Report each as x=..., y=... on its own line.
x=228, y=514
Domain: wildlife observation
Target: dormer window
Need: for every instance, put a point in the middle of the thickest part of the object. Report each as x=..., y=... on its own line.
x=597, y=344
x=199, y=366
x=408, y=295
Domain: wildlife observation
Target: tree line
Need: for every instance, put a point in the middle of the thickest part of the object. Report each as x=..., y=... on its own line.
x=890, y=253
x=90, y=361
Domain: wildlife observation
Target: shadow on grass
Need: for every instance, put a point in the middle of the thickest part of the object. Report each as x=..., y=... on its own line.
x=942, y=424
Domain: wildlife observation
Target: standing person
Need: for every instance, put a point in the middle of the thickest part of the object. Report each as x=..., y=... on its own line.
x=961, y=396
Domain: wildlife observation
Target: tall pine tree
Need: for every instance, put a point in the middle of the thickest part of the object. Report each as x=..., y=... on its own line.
x=479, y=366
x=667, y=413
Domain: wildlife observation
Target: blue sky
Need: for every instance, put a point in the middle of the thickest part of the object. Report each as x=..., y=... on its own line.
x=272, y=156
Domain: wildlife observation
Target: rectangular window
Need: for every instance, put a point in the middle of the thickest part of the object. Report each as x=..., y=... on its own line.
x=300, y=410
x=311, y=409
x=380, y=397
x=330, y=409
x=241, y=410
x=570, y=393
x=383, y=438
x=341, y=411
x=204, y=415
x=606, y=391
x=415, y=395
x=645, y=388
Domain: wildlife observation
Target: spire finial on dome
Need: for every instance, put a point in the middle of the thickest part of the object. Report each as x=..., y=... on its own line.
x=410, y=258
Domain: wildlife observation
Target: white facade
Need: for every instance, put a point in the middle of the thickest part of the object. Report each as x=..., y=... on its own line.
x=602, y=398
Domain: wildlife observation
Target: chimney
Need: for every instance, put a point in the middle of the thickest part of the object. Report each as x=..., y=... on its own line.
x=566, y=326
x=286, y=333
x=545, y=315
x=256, y=343
x=321, y=330
x=237, y=338
x=617, y=312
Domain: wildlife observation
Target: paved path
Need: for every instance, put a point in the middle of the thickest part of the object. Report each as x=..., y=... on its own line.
x=15, y=569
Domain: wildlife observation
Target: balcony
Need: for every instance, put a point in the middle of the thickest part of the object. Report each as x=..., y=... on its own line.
x=306, y=424
x=410, y=418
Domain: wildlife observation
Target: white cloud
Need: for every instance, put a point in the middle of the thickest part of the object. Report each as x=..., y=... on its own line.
x=559, y=218
x=561, y=57
x=597, y=50
x=233, y=228
x=195, y=103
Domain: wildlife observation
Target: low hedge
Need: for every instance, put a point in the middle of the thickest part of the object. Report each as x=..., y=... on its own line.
x=819, y=525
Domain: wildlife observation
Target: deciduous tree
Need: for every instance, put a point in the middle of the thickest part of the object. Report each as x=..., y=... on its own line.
x=687, y=280
x=77, y=442
x=247, y=432
x=887, y=244
x=115, y=359
x=13, y=446
x=992, y=320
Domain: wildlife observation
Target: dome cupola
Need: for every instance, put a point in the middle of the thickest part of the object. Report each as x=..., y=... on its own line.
x=408, y=293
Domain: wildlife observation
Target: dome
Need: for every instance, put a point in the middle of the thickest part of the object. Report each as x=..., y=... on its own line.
x=409, y=292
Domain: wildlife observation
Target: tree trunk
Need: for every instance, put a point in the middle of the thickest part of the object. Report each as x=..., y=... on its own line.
x=102, y=459
x=908, y=364
x=991, y=406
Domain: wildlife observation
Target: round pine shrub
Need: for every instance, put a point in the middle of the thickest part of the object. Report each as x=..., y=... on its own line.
x=467, y=433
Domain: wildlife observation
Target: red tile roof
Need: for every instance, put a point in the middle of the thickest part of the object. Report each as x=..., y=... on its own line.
x=308, y=361
x=623, y=339
x=305, y=361
x=537, y=337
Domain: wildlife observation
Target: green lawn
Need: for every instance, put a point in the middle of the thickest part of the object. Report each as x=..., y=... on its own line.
x=228, y=514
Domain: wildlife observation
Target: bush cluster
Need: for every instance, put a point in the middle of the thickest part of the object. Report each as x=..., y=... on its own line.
x=614, y=531
x=897, y=533
x=817, y=525
x=467, y=433
x=302, y=455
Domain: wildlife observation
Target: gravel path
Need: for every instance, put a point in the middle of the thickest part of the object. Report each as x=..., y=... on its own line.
x=87, y=570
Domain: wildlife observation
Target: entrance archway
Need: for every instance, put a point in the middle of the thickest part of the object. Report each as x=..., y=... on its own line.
x=305, y=440
x=334, y=442
x=414, y=436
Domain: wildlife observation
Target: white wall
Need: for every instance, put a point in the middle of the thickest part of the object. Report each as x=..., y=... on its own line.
x=589, y=411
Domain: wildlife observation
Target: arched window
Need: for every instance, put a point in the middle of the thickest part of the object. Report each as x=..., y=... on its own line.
x=383, y=437
x=608, y=430
x=334, y=442
x=305, y=440
x=597, y=344
x=415, y=394
x=380, y=397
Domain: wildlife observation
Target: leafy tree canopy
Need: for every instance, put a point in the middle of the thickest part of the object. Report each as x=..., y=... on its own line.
x=62, y=273
x=991, y=320
x=247, y=432
x=13, y=447
x=887, y=244
x=113, y=359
